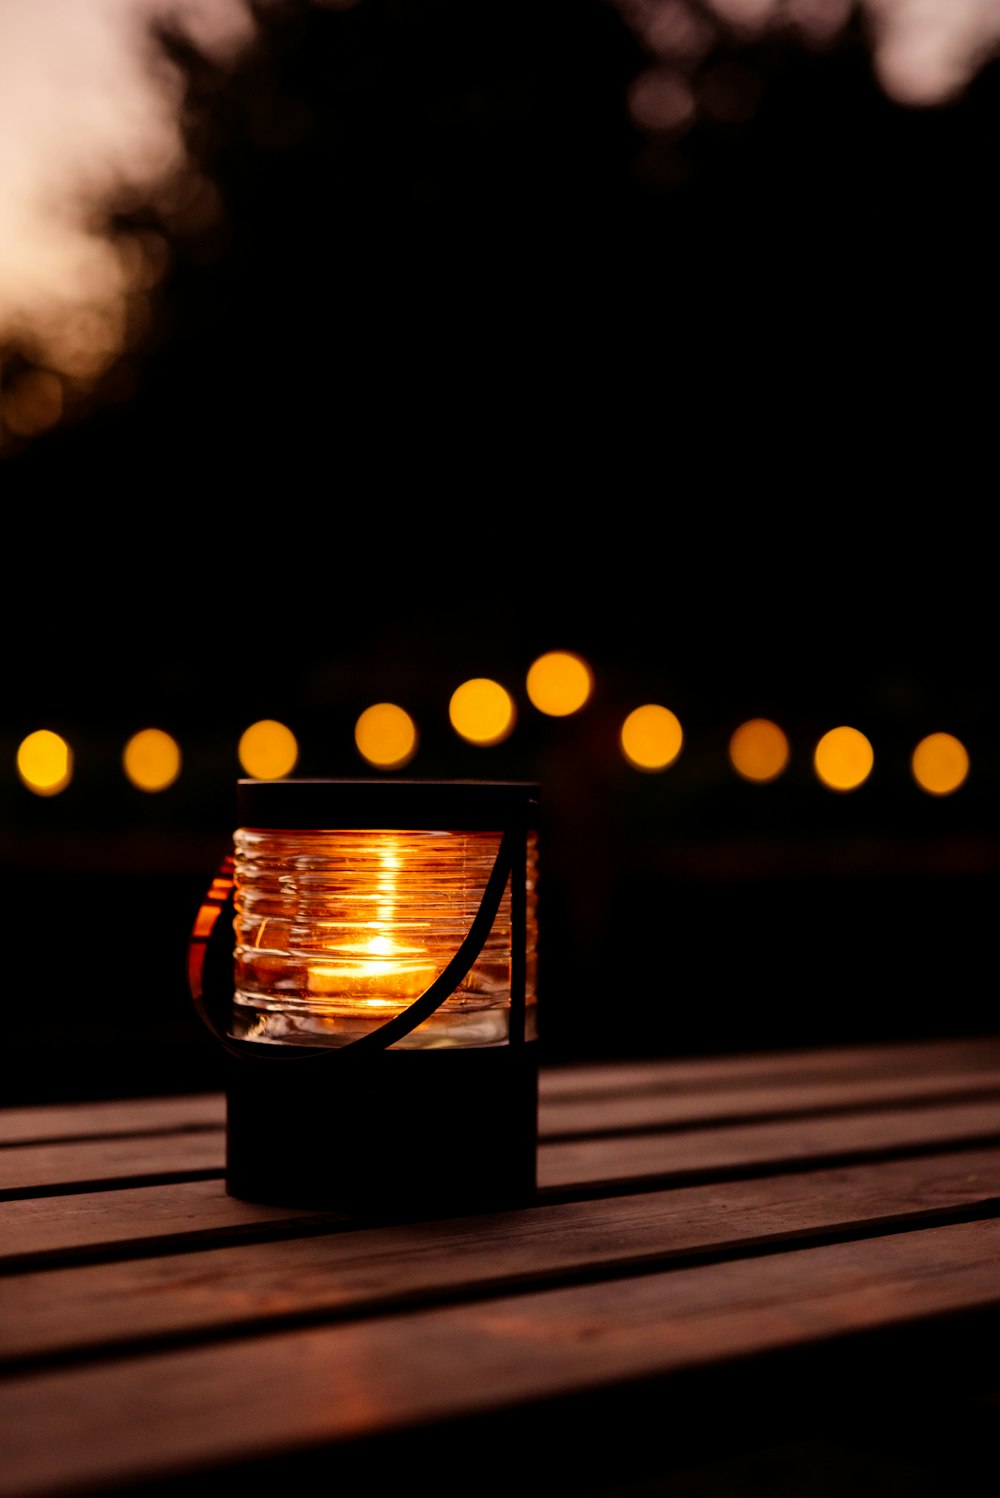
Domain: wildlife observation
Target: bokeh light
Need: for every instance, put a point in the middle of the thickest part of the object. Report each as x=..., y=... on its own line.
x=152, y=759
x=559, y=683
x=923, y=53
x=940, y=764
x=651, y=737
x=482, y=711
x=661, y=101
x=758, y=750
x=268, y=750
x=671, y=31
x=843, y=759
x=45, y=762
x=33, y=403
x=386, y=736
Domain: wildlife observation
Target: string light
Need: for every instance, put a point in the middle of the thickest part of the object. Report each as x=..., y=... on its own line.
x=482, y=712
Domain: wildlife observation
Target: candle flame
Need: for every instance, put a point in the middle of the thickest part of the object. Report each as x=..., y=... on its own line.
x=381, y=974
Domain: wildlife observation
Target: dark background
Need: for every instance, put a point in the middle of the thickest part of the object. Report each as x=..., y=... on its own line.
x=455, y=363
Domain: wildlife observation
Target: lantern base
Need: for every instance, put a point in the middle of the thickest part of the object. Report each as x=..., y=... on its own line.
x=399, y=1134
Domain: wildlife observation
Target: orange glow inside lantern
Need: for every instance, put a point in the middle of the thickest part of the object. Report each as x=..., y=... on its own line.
x=338, y=930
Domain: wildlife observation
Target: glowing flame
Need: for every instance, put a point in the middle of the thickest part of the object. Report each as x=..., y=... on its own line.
x=378, y=971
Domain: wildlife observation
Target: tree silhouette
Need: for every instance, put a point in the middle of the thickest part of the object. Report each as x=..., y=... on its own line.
x=406, y=261
x=434, y=300
x=422, y=241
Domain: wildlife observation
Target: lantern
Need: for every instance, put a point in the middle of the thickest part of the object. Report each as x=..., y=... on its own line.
x=366, y=957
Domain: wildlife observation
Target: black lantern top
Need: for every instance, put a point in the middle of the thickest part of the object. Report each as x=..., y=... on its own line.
x=428, y=805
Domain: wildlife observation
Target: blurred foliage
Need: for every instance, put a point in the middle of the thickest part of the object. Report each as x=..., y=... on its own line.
x=427, y=288
x=424, y=239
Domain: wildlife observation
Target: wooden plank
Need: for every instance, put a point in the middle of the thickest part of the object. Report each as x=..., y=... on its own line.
x=581, y=1110
x=113, y=1220
x=936, y=1064
x=762, y=1146
x=40, y=1167
x=920, y=1058
x=636, y=1109
x=583, y=1164
x=354, y=1273
x=154, y=1417
x=691, y=1088
x=100, y=1119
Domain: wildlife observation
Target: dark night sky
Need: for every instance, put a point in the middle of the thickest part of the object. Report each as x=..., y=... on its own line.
x=468, y=343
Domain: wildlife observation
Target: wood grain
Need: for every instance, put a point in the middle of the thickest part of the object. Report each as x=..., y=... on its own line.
x=127, y=1421
x=98, y=1119
x=127, y=1158
x=353, y=1273
x=695, y=1218
x=633, y=1109
x=117, y=1220
x=918, y=1058
x=607, y=1162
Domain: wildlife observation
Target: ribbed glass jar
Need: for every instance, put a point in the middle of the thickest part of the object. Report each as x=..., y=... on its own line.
x=339, y=931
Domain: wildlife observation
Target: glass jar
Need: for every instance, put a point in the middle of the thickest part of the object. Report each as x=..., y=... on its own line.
x=339, y=930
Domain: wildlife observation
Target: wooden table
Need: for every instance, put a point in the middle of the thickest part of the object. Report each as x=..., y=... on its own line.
x=773, y=1269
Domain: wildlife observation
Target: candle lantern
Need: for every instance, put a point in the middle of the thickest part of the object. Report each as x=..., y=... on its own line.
x=366, y=957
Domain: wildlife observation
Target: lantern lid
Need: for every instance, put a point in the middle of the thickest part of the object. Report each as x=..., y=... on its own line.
x=428, y=805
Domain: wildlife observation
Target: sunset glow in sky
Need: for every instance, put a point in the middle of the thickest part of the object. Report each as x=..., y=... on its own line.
x=80, y=113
